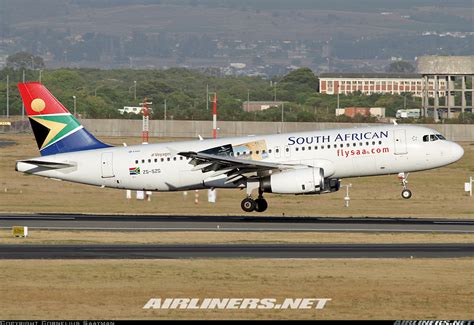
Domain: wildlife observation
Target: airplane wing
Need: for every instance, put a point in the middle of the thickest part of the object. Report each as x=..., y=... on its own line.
x=234, y=168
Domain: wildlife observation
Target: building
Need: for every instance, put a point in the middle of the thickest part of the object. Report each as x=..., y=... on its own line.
x=252, y=106
x=378, y=112
x=376, y=83
x=453, y=72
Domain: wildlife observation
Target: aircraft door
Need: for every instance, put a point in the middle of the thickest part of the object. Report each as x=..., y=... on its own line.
x=400, y=142
x=107, y=165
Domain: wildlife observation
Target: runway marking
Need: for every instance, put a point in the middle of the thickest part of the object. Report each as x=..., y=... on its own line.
x=37, y=218
x=250, y=229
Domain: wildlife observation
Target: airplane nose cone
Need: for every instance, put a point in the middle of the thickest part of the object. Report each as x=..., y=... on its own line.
x=456, y=151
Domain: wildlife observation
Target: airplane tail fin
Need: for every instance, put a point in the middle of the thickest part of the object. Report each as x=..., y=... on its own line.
x=56, y=130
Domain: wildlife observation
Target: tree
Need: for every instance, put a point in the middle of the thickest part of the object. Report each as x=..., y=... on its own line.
x=24, y=60
x=303, y=76
x=401, y=66
x=298, y=84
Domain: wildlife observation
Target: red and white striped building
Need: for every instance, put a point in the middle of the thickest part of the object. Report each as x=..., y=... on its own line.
x=376, y=83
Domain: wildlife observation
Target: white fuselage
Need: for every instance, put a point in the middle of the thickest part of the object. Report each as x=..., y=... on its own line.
x=341, y=153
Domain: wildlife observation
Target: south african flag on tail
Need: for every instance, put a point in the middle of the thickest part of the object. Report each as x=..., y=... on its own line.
x=56, y=130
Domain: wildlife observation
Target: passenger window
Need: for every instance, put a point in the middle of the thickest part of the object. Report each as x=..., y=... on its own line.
x=168, y=159
x=162, y=159
x=269, y=150
x=380, y=142
x=257, y=152
x=287, y=149
x=143, y=161
x=315, y=147
x=136, y=161
x=174, y=158
x=348, y=145
x=335, y=146
x=373, y=143
x=156, y=160
x=309, y=147
x=354, y=144
x=297, y=148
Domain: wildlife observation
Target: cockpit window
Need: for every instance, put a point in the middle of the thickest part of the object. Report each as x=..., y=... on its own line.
x=433, y=137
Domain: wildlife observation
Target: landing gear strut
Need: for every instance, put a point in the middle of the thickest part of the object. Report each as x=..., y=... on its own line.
x=248, y=204
x=406, y=193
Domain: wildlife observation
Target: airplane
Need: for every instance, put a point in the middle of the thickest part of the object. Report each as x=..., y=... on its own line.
x=300, y=163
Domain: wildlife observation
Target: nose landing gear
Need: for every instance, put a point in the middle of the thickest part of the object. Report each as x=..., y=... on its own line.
x=406, y=193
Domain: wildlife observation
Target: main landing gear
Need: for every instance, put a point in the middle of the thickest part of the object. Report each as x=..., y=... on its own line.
x=406, y=193
x=248, y=204
x=259, y=205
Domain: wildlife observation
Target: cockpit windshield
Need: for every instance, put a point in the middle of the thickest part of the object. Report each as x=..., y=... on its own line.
x=433, y=137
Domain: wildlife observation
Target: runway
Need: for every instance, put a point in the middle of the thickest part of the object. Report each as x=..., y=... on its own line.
x=234, y=223
x=235, y=251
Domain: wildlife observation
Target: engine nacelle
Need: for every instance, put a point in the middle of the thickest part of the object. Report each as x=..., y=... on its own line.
x=297, y=181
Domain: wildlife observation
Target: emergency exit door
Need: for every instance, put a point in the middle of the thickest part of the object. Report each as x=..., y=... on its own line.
x=107, y=165
x=400, y=142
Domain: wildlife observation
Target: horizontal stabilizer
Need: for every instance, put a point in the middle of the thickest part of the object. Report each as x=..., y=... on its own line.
x=46, y=164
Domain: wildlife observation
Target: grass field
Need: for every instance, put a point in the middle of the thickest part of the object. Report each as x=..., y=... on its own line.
x=359, y=289
x=436, y=193
x=207, y=237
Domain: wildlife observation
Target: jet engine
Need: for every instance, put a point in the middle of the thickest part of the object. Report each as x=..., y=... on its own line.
x=296, y=181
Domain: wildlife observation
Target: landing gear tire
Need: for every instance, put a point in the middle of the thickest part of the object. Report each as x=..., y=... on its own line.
x=406, y=194
x=248, y=204
x=261, y=205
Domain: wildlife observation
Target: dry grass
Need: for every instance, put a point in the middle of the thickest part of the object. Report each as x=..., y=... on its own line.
x=182, y=237
x=360, y=289
x=437, y=193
